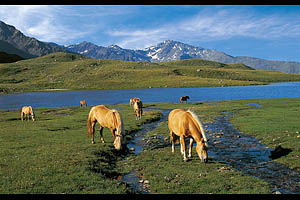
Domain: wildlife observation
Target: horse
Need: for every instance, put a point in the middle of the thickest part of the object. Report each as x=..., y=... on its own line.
x=27, y=110
x=107, y=118
x=184, y=98
x=83, y=103
x=185, y=124
x=134, y=99
x=138, y=109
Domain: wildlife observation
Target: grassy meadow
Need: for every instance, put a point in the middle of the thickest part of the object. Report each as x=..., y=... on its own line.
x=75, y=72
x=53, y=155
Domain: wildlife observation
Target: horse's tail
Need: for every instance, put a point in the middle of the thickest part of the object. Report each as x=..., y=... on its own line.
x=89, y=124
x=200, y=126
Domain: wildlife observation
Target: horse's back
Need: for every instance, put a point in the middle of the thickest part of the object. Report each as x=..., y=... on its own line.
x=103, y=115
x=27, y=109
x=176, y=120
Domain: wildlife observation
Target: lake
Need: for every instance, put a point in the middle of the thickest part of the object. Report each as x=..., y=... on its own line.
x=150, y=95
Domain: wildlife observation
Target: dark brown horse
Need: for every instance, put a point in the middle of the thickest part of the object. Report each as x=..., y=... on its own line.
x=107, y=119
x=185, y=124
x=26, y=111
x=184, y=98
x=83, y=103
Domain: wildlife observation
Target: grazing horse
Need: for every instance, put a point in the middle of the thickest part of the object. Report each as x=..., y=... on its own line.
x=185, y=98
x=132, y=100
x=183, y=124
x=27, y=110
x=138, y=109
x=107, y=119
x=83, y=103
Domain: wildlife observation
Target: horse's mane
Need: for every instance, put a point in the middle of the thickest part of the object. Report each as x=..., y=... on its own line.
x=200, y=125
x=121, y=128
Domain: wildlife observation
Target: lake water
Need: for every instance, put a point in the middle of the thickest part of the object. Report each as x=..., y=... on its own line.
x=151, y=95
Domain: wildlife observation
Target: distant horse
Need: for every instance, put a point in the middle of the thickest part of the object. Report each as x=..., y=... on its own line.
x=26, y=111
x=138, y=109
x=107, y=119
x=134, y=99
x=184, y=98
x=83, y=103
x=183, y=124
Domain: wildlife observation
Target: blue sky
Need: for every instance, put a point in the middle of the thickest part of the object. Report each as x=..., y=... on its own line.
x=269, y=32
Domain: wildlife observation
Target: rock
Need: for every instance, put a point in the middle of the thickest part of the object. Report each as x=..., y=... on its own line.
x=131, y=149
x=238, y=136
x=277, y=192
x=279, y=151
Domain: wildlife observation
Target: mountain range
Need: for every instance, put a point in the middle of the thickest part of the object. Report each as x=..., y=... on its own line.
x=14, y=42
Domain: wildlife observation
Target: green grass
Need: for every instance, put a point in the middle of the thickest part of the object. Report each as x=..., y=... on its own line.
x=53, y=155
x=75, y=72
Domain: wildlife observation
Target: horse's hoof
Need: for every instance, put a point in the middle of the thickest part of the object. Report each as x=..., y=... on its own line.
x=93, y=142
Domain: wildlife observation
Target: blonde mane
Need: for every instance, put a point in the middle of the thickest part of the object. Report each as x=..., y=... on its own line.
x=120, y=129
x=200, y=125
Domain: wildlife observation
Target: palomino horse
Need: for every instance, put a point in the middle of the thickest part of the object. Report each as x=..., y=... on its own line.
x=27, y=110
x=184, y=124
x=107, y=119
x=132, y=100
x=185, y=98
x=138, y=109
x=83, y=103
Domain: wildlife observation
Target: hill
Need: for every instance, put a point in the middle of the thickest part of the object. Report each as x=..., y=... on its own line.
x=75, y=72
x=9, y=58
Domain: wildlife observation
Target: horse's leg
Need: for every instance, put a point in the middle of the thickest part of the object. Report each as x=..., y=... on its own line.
x=190, y=147
x=101, y=134
x=172, y=141
x=22, y=116
x=182, y=142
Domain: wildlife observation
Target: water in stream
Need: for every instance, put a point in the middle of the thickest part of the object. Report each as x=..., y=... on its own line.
x=243, y=152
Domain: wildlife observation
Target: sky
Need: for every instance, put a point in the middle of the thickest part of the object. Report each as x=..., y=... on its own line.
x=270, y=32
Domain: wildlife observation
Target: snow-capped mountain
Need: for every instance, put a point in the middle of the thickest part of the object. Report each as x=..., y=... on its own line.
x=170, y=50
x=13, y=41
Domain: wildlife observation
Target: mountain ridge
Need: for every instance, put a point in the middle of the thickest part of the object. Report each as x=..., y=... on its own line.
x=13, y=41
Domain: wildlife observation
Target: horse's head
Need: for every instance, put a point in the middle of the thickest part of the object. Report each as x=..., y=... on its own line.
x=201, y=149
x=119, y=133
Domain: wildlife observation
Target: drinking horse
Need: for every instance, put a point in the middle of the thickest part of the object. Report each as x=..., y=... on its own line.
x=107, y=118
x=26, y=111
x=184, y=98
x=185, y=124
x=138, y=109
x=83, y=103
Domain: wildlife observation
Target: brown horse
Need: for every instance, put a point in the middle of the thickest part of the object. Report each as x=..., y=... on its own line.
x=107, y=119
x=134, y=99
x=138, y=109
x=184, y=98
x=83, y=103
x=185, y=124
x=27, y=110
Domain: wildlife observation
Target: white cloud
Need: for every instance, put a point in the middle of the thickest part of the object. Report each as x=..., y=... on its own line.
x=208, y=26
x=42, y=22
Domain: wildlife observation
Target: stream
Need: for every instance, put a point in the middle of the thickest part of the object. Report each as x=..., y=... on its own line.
x=228, y=145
